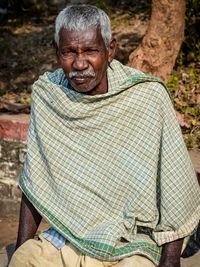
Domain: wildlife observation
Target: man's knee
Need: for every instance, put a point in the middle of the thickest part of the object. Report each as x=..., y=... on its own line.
x=25, y=253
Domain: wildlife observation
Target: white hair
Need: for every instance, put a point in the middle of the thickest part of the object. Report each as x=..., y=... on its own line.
x=82, y=17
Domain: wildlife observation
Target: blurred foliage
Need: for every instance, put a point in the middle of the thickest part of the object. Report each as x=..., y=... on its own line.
x=184, y=82
x=103, y=4
x=190, y=50
x=15, y=6
x=184, y=85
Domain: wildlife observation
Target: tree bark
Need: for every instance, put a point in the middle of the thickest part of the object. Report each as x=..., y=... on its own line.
x=160, y=46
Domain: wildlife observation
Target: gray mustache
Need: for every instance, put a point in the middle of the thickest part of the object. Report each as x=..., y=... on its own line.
x=82, y=74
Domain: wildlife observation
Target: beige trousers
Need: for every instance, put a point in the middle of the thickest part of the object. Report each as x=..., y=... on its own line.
x=41, y=253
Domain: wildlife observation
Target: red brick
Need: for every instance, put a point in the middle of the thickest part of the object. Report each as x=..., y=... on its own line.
x=14, y=127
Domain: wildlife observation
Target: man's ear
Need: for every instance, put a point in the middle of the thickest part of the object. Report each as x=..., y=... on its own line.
x=111, y=50
x=55, y=46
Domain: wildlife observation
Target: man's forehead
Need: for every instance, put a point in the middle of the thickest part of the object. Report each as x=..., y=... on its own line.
x=88, y=36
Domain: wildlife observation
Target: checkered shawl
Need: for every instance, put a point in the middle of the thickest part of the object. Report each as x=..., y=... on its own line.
x=110, y=172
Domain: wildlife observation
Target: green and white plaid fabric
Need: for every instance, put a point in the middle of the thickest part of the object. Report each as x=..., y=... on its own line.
x=110, y=172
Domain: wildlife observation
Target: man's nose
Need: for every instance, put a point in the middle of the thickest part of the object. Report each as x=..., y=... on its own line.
x=80, y=62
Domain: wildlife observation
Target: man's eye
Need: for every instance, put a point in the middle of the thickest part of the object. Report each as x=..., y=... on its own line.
x=91, y=50
x=67, y=53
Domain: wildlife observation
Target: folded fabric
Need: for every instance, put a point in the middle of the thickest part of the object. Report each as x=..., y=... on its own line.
x=110, y=172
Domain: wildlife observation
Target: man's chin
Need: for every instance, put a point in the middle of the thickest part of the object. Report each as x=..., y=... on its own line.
x=82, y=88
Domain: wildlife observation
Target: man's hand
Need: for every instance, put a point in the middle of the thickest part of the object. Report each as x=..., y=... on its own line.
x=28, y=222
x=171, y=254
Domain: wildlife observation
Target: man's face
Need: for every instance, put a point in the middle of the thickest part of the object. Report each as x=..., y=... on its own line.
x=84, y=59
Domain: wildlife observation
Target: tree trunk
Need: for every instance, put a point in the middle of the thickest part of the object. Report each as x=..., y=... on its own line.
x=160, y=46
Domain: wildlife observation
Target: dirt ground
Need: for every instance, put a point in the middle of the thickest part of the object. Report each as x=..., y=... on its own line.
x=8, y=232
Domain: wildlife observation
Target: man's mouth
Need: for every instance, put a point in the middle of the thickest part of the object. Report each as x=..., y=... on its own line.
x=81, y=77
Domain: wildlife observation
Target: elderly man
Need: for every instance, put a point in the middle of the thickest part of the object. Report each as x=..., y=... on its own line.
x=106, y=165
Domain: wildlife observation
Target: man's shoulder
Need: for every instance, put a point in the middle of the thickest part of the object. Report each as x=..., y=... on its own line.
x=122, y=69
x=46, y=82
x=130, y=77
x=56, y=76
